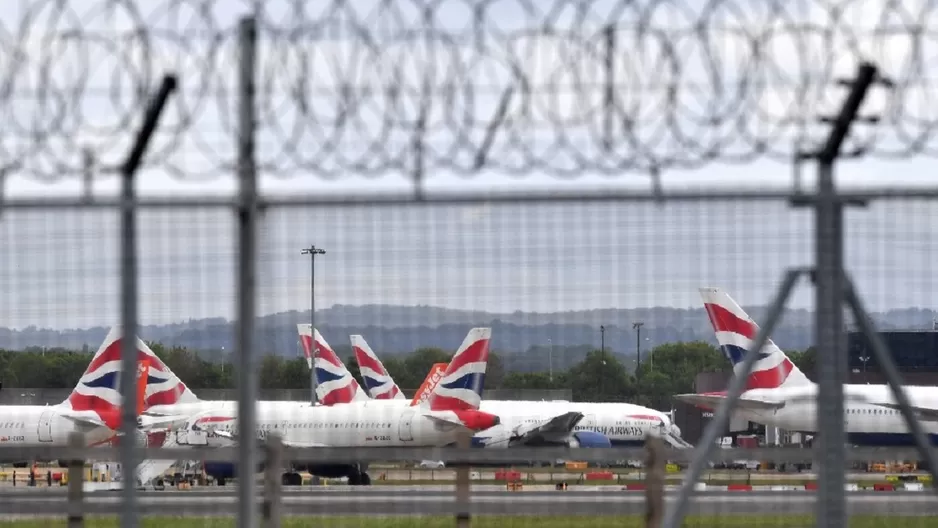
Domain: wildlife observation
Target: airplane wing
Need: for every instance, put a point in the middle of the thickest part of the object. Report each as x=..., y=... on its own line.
x=712, y=401
x=160, y=422
x=555, y=427
x=924, y=413
x=442, y=419
x=85, y=422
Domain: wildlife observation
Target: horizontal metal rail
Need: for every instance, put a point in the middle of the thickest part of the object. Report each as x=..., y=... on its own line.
x=467, y=197
x=452, y=455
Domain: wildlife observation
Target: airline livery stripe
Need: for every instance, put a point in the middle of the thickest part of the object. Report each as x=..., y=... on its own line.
x=771, y=378
x=324, y=376
x=446, y=403
x=365, y=361
x=725, y=321
x=328, y=355
x=477, y=352
x=736, y=354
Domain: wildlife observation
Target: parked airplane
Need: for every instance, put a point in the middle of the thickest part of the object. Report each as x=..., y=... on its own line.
x=535, y=423
x=453, y=406
x=93, y=408
x=778, y=394
x=170, y=404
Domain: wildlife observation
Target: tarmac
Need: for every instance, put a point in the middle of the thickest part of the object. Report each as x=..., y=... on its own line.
x=433, y=500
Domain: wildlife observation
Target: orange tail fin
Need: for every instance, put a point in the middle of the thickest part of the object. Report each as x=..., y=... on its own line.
x=434, y=377
x=143, y=372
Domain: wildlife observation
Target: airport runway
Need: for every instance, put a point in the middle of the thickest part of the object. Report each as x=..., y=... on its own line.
x=377, y=501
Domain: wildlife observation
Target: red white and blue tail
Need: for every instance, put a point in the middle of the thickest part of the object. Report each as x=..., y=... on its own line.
x=334, y=383
x=736, y=331
x=462, y=383
x=306, y=339
x=163, y=386
x=378, y=382
x=99, y=389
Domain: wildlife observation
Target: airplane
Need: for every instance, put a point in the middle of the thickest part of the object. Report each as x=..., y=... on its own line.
x=778, y=394
x=452, y=407
x=541, y=423
x=93, y=408
x=169, y=404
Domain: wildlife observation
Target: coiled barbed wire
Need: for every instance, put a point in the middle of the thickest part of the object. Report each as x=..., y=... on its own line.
x=368, y=87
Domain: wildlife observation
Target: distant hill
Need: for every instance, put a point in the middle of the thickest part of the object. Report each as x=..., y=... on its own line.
x=520, y=338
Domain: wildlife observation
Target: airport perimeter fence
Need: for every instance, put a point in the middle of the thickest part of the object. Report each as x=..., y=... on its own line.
x=450, y=162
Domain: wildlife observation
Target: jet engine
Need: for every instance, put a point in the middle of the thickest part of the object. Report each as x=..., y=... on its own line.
x=588, y=439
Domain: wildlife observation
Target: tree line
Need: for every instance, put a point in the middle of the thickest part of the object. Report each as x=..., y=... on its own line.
x=599, y=376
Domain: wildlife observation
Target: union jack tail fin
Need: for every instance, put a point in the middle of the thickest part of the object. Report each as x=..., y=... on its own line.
x=736, y=331
x=460, y=388
x=378, y=383
x=99, y=388
x=306, y=339
x=430, y=383
x=334, y=382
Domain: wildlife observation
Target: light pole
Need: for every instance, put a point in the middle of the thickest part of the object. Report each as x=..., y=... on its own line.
x=864, y=358
x=602, y=354
x=312, y=251
x=637, y=326
x=550, y=359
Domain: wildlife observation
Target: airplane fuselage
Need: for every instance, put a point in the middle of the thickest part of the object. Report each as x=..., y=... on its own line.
x=865, y=422
x=45, y=425
x=623, y=424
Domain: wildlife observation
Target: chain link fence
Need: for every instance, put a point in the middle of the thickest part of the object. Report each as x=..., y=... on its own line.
x=567, y=174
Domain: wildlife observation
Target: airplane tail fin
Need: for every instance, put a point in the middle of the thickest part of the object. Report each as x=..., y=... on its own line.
x=736, y=331
x=143, y=373
x=378, y=382
x=306, y=339
x=334, y=382
x=99, y=388
x=430, y=383
x=460, y=387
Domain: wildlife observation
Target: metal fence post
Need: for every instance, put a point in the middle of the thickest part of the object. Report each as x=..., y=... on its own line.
x=270, y=512
x=893, y=379
x=463, y=485
x=654, y=482
x=76, y=482
x=128, y=252
x=829, y=328
x=247, y=254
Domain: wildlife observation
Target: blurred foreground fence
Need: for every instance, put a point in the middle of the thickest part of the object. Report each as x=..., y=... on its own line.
x=458, y=88
x=770, y=494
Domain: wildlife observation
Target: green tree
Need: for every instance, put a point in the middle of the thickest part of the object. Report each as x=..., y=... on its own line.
x=532, y=381
x=672, y=368
x=600, y=377
x=805, y=360
x=352, y=365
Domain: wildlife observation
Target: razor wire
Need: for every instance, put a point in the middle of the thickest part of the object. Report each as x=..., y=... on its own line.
x=371, y=87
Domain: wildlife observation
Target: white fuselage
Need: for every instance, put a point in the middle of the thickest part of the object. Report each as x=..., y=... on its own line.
x=866, y=421
x=29, y=425
x=622, y=423
x=376, y=423
x=262, y=407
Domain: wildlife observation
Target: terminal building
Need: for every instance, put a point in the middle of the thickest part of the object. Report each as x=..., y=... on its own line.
x=914, y=351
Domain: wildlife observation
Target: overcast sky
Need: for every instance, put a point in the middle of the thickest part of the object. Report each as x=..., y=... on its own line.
x=59, y=267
